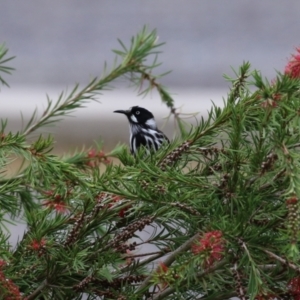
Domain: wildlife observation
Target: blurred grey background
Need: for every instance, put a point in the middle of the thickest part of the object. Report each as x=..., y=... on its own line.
x=60, y=43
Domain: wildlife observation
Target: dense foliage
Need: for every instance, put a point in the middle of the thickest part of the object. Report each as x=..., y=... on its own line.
x=221, y=201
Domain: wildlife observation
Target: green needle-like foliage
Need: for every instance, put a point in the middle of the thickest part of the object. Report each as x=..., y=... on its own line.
x=3, y=60
x=220, y=204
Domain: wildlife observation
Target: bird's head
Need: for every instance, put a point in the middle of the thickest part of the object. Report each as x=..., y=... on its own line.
x=139, y=116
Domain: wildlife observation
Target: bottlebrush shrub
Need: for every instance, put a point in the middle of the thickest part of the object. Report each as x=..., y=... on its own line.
x=221, y=201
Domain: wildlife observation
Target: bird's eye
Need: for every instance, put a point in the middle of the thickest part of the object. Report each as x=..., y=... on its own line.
x=137, y=112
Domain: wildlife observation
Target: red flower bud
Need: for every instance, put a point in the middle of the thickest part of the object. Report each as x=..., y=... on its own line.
x=92, y=153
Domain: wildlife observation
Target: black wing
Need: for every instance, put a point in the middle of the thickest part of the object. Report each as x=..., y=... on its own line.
x=150, y=139
x=137, y=140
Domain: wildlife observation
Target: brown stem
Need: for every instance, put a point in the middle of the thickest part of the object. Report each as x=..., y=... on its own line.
x=36, y=293
x=279, y=174
x=169, y=260
x=282, y=260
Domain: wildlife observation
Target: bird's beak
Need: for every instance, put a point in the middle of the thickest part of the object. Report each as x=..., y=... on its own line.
x=125, y=112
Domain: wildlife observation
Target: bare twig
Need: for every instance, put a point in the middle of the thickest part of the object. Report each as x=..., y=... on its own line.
x=143, y=262
x=170, y=259
x=294, y=146
x=266, y=185
x=282, y=260
x=146, y=254
x=37, y=291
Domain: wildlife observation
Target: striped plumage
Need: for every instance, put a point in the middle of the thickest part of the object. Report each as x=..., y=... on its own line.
x=143, y=129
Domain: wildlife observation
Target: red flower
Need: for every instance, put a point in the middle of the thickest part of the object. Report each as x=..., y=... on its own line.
x=57, y=204
x=9, y=290
x=122, y=212
x=37, y=245
x=162, y=274
x=162, y=268
x=292, y=201
x=293, y=67
x=2, y=263
x=210, y=246
x=294, y=288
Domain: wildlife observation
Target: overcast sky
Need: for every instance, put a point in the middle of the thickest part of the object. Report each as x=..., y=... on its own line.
x=62, y=42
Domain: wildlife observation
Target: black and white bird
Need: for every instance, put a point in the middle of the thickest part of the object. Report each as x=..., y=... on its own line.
x=143, y=129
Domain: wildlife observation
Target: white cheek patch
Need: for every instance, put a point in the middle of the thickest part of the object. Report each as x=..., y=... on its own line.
x=134, y=129
x=133, y=118
x=151, y=123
